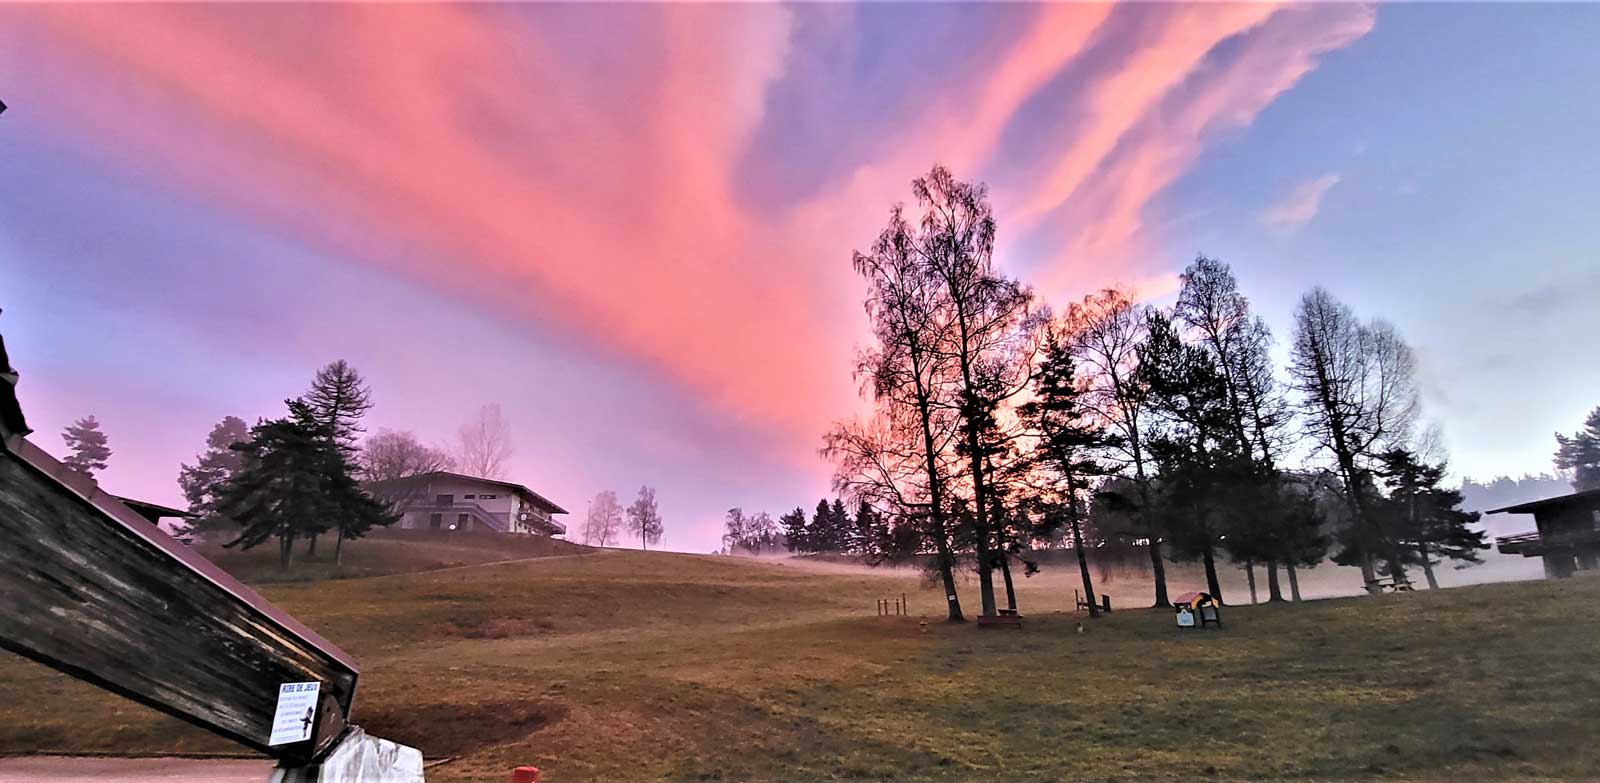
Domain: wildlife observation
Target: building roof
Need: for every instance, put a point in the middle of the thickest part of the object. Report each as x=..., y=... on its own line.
x=1559, y=501
x=515, y=487
x=154, y=511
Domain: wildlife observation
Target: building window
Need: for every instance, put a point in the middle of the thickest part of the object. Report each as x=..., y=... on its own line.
x=435, y=520
x=445, y=500
x=463, y=521
x=468, y=497
x=486, y=497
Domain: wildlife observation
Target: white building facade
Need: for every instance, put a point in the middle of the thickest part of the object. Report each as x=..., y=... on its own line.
x=454, y=501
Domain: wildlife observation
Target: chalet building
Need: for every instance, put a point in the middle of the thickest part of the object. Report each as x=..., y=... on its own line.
x=453, y=501
x=1568, y=535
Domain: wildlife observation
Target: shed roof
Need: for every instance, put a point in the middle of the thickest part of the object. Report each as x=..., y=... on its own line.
x=1587, y=497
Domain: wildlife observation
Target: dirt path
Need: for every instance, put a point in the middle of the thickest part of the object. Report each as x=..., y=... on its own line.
x=76, y=769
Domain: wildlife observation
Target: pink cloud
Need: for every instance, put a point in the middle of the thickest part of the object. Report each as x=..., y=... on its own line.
x=1301, y=204
x=589, y=184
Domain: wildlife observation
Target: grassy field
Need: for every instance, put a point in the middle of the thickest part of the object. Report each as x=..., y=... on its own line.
x=385, y=552
x=625, y=666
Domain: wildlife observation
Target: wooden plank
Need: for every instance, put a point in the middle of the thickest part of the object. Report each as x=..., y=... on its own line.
x=94, y=590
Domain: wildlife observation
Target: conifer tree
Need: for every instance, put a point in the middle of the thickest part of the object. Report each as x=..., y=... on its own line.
x=338, y=398
x=203, y=481
x=88, y=446
x=1426, y=515
x=1580, y=453
x=292, y=481
x=1070, y=446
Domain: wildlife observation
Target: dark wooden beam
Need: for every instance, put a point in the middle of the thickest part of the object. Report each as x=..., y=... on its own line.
x=92, y=589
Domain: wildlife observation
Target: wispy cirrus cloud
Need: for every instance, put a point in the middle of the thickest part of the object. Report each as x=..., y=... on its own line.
x=591, y=171
x=1301, y=204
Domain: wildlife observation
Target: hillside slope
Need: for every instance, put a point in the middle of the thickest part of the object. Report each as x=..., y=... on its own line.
x=627, y=666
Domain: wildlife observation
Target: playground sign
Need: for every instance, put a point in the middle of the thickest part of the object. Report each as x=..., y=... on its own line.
x=296, y=714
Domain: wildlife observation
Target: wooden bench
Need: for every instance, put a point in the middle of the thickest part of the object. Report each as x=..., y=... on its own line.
x=1391, y=584
x=1005, y=619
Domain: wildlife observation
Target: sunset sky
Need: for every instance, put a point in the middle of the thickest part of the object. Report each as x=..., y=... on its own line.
x=631, y=226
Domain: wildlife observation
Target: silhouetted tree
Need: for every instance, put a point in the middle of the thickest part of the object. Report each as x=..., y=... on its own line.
x=293, y=479
x=990, y=341
x=1580, y=453
x=644, y=519
x=1426, y=514
x=756, y=534
x=203, y=481
x=796, y=535
x=1071, y=440
x=1107, y=331
x=87, y=446
x=1218, y=315
x=1195, y=445
x=899, y=460
x=338, y=398
x=1357, y=396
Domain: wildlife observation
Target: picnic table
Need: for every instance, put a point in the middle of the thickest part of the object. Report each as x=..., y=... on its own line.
x=1391, y=584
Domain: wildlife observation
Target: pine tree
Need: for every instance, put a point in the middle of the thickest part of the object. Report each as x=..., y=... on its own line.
x=87, y=445
x=822, y=532
x=1195, y=446
x=1070, y=443
x=203, y=481
x=1427, y=516
x=293, y=481
x=795, y=532
x=1580, y=453
x=337, y=400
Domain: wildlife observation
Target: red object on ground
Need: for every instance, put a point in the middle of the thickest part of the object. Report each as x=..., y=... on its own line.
x=525, y=775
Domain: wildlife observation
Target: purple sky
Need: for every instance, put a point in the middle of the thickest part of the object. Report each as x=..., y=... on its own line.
x=631, y=225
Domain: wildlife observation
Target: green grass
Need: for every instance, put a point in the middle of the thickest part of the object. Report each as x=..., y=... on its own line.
x=629, y=666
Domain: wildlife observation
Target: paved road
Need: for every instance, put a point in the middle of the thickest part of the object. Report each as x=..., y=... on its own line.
x=62, y=769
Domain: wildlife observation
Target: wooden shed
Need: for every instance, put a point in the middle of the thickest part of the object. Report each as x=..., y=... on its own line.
x=1568, y=534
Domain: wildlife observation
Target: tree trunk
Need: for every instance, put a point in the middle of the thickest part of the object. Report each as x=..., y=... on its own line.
x=311, y=547
x=1427, y=565
x=1250, y=579
x=1213, y=585
x=1083, y=567
x=941, y=535
x=338, y=549
x=1011, y=589
x=285, y=551
x=1274, y=591
x=1294, y=580
x=947, y=574
x=1158, y=569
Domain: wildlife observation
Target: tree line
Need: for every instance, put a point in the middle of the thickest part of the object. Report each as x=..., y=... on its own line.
x=999, y=424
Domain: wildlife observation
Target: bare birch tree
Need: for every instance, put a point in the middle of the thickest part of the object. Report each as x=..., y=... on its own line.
x=603, y=523
x=898, y=460
x=1357, y=397
x=484, y=444
x=1107, y=330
